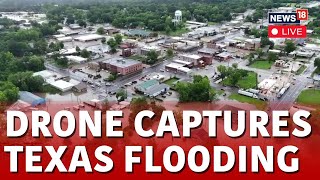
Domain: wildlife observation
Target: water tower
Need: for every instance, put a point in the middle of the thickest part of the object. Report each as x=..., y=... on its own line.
x=177, y=17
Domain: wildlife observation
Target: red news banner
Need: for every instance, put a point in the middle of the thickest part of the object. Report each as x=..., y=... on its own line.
x=161, y=140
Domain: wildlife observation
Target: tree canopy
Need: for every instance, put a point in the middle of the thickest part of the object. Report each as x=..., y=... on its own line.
x=199, y=90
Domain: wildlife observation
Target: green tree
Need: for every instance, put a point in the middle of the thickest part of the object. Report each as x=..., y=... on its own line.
x=103, y=40
x=199, y=90
x=25, y=81
x=152, y=57
x=259, y=52
x=317, y=63
x=100, y=31
x=234, y=77
x=235, y=65
x=121, y=95
x=113, y=45
x=118, y=39
x=223, y=71
x=85, y=53
x=169, y=53
x=78, y=49
x=272, y=57
x=8, y=92
x=289, y=47
x=82, y=23
x=112, y=77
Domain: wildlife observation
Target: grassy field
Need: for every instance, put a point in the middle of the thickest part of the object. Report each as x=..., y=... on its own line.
x=262, y=64
x=309, y=96
x=212, y=23
x=261, y=105
x=50, y=89
x=301, y=69
x=178, y=32
x=171, y=82
x=138, y=58
x=246, y=83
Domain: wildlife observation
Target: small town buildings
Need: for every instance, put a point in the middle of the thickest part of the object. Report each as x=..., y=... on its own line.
x=75, y=26
x=224, y=56
x=80, y=88
x=208, y=52
x=152, y=88
x=138, y=33
x=146, y=49
x=77, y=59
x=68, y=32
x=94, y=65
x=89, y=37
x=121, y=65
x=179, y=68
x=62, y=85
x=65, y=39
x=111, y=30
x=32, y=99
x=128, y=43
x=192, y=58
x=126, y=52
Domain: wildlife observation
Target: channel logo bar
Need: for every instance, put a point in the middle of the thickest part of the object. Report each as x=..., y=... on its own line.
x=288, y=18
x=287, y=25
x=287, y=31
x=283, y=18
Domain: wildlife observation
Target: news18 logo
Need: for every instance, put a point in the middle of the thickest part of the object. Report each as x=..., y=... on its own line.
x=287, y=25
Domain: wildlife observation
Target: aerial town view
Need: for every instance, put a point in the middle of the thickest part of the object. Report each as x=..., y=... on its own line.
x=108, y=54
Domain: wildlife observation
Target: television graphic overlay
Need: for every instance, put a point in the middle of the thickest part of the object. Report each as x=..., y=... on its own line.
x=287, y=25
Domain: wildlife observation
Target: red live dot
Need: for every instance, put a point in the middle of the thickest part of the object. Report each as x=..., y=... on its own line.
x=302, y=14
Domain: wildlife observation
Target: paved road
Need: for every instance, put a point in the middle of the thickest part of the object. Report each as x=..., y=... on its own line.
x=293, y=92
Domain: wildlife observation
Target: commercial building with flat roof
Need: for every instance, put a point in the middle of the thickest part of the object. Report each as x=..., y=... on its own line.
x=77, y=59
x=152, y=88
x=62, y=85
x=88, y=37
x=30, y=98
x=121, y=65
x=146, y=49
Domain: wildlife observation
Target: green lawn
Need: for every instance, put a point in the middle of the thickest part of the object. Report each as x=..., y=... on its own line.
x=309, y=96
x=261, y=105
x=212, y=23
x=178, y=32
x=301, y=69
x=138, y=58
x=246, y=83
x=50, y=89
x=171, y=81
x=262, y=64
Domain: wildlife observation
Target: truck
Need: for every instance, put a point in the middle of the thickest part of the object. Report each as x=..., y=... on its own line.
x=255, y=91
x=283, y=90
x=249, y=94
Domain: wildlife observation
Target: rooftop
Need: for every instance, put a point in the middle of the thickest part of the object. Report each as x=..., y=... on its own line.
x=191, y=56
x=138, y=32
x=207, y=51
x=147, y=84
x=157, y=88
x=76, y=59
x=122, y=62
x=61, y=84
x=89, y=37
x=30, y=98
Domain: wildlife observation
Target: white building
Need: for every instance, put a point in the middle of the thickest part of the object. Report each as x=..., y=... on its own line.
x=89, y=37
x=77, y=59
x=62, y=85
